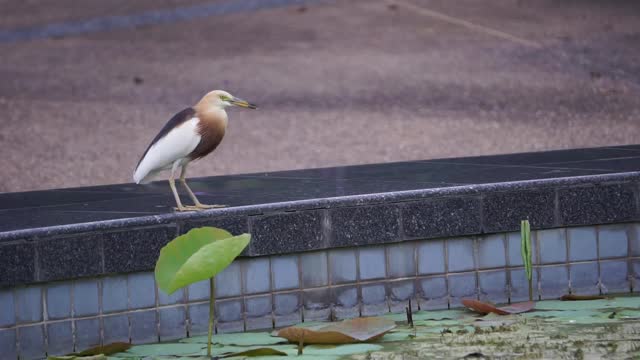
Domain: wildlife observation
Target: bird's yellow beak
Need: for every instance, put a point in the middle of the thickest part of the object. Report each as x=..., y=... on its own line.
x=242, y=103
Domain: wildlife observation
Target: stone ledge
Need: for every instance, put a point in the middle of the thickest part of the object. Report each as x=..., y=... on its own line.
x=132, y=244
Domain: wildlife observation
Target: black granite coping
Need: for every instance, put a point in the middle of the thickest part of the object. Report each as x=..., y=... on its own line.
x=67, y=233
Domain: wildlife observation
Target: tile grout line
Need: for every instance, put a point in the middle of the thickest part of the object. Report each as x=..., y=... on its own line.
x=446, y=273
x=178, y=305
x=567, y=244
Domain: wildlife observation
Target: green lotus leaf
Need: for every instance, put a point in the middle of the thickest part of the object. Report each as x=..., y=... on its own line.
x=239, y=339
x=165, y=349
x=197, y=255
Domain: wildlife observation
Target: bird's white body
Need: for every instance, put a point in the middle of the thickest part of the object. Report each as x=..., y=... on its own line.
x=172, y=148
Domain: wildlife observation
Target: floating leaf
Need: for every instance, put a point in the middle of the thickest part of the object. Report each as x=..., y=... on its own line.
x=344, y=332
x=575, y=297
x=486, y=308
x=165, y=349
x=197, y=255
x=341, y=350
x=77, y=357
x=428, y=315
x=263, y=351
x=108, y=349
x=241, y=339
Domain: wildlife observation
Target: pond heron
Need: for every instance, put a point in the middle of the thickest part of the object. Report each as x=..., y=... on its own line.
x=190, y=135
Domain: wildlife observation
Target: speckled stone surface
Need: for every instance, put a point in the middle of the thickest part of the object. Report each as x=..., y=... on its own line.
x=18, y=264
x=364, y=225
x=287, y=232
x=135, y=250
x=442, y=217
x=120, y=228
x=69, y=257
x=598, y=204
x=504, y=210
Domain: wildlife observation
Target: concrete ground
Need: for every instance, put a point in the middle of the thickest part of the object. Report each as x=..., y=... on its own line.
x=339, y=82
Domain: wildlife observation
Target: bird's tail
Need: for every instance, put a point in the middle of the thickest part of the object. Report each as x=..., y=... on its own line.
x=141, y=177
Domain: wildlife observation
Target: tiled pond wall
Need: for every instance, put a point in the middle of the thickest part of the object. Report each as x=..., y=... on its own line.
x=275, y=291
x=72, y=278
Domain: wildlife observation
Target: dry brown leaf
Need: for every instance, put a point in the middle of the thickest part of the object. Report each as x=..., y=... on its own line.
x=485, y=308
x=344, y=332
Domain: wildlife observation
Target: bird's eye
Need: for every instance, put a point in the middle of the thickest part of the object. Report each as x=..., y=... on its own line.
x=224, y=98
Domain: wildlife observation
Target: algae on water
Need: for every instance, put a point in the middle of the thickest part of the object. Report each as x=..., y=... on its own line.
x=607, y=329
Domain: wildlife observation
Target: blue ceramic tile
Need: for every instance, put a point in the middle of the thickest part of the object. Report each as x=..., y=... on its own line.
x=287, y=309
x=374, y=300
x=285, y=272
x=519, y=285
x=401, y=260
x=460, y=254
x=144, y=326
x=345, y=299
x=314, y=269
x=493, y=286
x=614, y=277
x=582, y=243
x=491, y=251
x=433, y=293
x=198, y=319
x=172, y=323
x=317, y=304
x=198, y=291
x=462, y=286
x=553, y=246
x=431, y=257
x=258, y=310
x=400, y=292
x=228, y=310
x=372, y=263
x=342, y=265
x=635, y=268
x=257, y=275
x=142, y=290
x=31, y=340
x=374, y=294
x=612, y=241
x=554, y=281
x=584, y=278
x=28, y=304
x=7, y=308
x=514, y=256
x=8, y=343
x=60, y=338
x=114, y=294
x=258, y=306
x=85, y=298
x=229, y=281
x=58, y=301
x=116, y=328
x=176, y=298
x=87, y=333
x=634, y=239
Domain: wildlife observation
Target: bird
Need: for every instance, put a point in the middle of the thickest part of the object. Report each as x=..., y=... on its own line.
x=189, y=135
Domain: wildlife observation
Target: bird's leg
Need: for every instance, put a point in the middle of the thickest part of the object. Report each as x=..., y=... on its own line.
x=196, y=202
x=172, y=184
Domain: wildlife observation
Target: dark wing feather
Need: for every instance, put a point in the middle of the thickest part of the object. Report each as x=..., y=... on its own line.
x=174, y=122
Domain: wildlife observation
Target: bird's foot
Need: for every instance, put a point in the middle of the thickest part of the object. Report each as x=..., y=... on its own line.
x=205, y=206
x=187, y=208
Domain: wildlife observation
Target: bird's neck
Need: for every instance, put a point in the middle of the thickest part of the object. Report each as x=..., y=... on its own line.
x=213, y=115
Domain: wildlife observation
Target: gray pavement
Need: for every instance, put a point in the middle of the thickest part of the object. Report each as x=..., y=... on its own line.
x=339, y=82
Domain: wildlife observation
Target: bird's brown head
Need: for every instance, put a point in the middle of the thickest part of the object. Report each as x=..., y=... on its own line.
x=219, y=99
